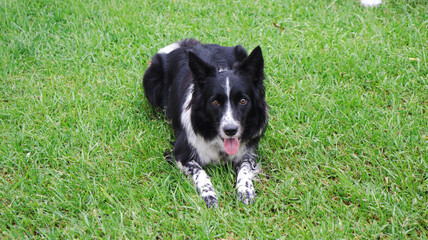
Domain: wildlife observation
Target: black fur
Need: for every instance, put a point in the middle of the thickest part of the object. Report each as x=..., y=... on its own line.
x=226, y=103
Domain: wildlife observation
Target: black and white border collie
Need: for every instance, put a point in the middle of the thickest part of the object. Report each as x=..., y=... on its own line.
x=215, y=98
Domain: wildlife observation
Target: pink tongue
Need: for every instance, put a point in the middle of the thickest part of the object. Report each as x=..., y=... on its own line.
x=231, y=145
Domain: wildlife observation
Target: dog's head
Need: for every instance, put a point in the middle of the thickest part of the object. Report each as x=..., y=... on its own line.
x=229, y=103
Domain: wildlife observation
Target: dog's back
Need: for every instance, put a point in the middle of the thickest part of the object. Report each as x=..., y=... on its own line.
x=171, y=62
x=156, y=80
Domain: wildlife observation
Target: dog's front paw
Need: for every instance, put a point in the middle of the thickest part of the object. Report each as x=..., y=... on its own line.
x=210, y=200
x=246, y=193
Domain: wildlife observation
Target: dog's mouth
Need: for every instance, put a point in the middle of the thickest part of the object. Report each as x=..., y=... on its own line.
x=231, y=145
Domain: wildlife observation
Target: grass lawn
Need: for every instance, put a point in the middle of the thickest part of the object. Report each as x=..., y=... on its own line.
x=345, y=154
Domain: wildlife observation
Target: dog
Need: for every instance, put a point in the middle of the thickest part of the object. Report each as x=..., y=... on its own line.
x=215, y=98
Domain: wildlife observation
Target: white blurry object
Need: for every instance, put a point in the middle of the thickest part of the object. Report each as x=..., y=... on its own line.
x=371, y=3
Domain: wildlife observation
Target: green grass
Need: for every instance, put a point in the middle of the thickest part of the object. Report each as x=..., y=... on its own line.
x=345, y=154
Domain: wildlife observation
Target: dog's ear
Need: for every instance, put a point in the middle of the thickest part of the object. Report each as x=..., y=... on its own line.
x=200, y=69
x=240, y=53
x=254, y=65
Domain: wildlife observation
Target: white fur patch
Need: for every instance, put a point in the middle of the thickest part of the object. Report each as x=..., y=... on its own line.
x=371, y=3
x=207, y=151
x=227, y=87
x=169, y=48
x=244, y=183
x=202, y=182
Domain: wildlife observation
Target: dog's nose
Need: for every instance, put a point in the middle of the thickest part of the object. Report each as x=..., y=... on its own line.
x=230, y=130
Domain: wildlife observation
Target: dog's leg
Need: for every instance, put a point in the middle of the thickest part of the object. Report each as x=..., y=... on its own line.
x=246, y=170
x=202, y=182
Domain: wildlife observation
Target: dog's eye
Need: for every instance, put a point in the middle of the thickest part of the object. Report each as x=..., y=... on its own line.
x=215, y=103
x=243, y=101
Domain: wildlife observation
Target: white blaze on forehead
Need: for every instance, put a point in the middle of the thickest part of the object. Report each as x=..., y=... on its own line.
x=227, y=87
x=228, y=118
x=169, y=48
